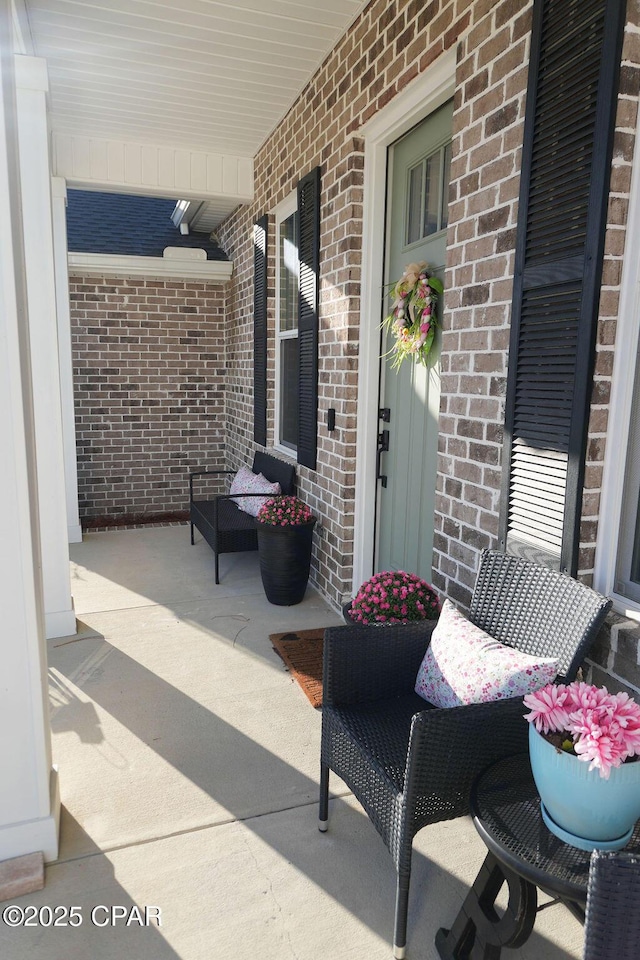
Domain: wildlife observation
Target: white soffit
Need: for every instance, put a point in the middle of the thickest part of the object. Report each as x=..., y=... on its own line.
x=201, y=75
x=174, y=98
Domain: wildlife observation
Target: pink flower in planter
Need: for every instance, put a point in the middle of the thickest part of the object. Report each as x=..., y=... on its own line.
x=600, y=728
x=548, y=710
x=394, y=597
x=284, y=511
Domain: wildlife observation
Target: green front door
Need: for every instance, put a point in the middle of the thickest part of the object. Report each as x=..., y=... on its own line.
x=417, y=222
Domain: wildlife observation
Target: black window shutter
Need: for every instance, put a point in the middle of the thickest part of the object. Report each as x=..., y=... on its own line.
x=260, y=330
x=566, y=160
x=309, y=257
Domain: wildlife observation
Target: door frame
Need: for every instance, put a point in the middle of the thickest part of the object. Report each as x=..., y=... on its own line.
x=420, y=98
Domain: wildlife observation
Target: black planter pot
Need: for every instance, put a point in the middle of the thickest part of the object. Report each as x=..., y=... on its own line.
x=285, y=561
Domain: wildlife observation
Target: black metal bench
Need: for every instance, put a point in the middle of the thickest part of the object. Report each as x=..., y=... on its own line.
x=225, y=527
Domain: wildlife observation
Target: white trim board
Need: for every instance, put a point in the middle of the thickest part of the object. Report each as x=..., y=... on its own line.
x=126, y=166
x=113, y=265
x=31, y=836
x=622, y=388
x=427, y=92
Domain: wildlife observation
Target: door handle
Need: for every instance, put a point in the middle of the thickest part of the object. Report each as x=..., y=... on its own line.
x=383, y=446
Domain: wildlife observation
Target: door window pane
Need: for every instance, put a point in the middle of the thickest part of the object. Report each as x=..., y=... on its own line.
x=446, y=170
x=433, y=203
x=414, y=226
x=427, y=195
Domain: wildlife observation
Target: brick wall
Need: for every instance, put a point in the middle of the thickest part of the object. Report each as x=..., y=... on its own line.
x=389, y=45
x=137, y=441
x=386, y=48
x=488, y=124
x=148, y=359
x=488, y=129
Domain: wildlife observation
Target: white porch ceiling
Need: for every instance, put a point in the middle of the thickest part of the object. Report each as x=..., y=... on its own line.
x=199, y=75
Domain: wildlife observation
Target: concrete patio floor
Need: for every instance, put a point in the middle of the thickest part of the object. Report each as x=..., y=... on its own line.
x=188, y=765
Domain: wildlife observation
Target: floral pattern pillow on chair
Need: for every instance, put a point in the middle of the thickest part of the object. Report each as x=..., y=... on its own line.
x=246, y=481
x=465, y=665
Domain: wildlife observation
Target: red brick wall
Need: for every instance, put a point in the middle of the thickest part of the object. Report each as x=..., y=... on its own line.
x=148, y=359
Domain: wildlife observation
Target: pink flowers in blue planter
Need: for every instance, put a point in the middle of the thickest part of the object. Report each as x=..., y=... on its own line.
x=592, y=804
x=596, y=726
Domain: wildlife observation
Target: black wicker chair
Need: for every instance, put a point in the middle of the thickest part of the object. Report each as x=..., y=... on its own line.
x=225, y=527
x=612, y=928
x=410, y=764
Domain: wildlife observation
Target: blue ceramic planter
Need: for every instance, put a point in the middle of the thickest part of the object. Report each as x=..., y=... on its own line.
x=580, y=806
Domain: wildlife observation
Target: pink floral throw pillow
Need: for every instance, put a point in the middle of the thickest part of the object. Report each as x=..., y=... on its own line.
x=246, y=481
x=465, y=665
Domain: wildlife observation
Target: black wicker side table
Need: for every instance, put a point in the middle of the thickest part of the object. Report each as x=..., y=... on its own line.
x=506, y=813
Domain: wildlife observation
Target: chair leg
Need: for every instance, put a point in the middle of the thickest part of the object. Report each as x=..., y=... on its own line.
x=323, y=816
x=402, y=908
x=192, y=540
x=217, y=569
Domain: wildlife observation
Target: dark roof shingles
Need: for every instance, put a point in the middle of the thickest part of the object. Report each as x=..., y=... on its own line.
x=128, y=225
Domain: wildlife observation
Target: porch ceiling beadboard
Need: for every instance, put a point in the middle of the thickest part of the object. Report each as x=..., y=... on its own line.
x=201, y=74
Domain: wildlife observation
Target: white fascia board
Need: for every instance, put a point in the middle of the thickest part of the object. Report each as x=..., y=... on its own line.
x=151, y=169
x=113, y=265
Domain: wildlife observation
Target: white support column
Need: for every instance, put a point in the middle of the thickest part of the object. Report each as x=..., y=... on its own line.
x=35, y=177
x=59, y=204
x=29, y=800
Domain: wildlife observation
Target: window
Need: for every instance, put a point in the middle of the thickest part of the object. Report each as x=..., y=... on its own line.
x=287, y=288
x=427, y=200
x=297, y=262
x=617, y=568
x=260, y=245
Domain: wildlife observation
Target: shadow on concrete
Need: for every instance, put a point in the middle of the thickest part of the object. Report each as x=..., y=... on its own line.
x=253, y=784
x=102, y=934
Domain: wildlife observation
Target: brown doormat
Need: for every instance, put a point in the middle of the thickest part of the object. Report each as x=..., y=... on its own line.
x=302, y=654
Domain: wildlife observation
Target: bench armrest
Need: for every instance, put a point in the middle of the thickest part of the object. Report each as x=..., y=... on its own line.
x=205, y=473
